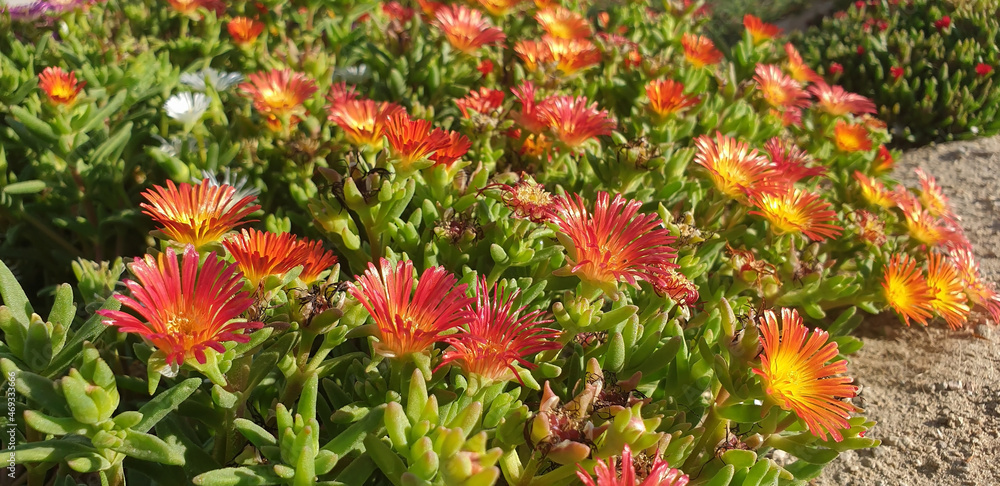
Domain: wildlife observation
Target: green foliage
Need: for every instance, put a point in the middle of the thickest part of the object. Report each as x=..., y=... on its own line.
x=933, y=79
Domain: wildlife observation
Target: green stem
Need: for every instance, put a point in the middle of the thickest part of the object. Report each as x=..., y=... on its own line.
x=714, y=431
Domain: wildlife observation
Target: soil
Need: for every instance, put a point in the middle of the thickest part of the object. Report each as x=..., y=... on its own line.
x=935, y=393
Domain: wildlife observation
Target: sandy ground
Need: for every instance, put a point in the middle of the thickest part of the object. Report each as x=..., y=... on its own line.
x=935, y=393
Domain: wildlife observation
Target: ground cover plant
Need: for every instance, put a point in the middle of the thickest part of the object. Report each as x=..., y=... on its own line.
x=931, y=66
x=490, y=243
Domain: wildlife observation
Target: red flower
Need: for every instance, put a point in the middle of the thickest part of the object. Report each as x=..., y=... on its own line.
x=836, y=68
x=466, y=29
x=529, y=117
x=983, y=69
x=396, y=11
x=409, y=320
x=861, y=50
x=778, y=89
x=362, y=120
x=190, y=7
x=561, y=22
x=660, y=473
x=496, y=336
x=760, y=31
x=573, y=121
x=278, y=92
x=797, y=68
x=571, y=55
x=199, y=214
x=244, y=30
x=529, y=200
x=734, y=167
x=836, y=101
x=184, y=310
x=944, y=23
x=667, y=97
x=314, y=260
x=457, y=146
x=412, y=141
x=699, y=50
x=486, y=101
x=532, y=53
x=896, y=72
x=614, y=243
x=60, y=86
x=485, y=67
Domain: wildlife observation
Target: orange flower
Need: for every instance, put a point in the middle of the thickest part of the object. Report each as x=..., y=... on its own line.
x=362, y=120
x=905, y=289
x=314, y=260
x=836, y=101
x=932, y=197
x=796, y=372
x=700, y=51
x=734, y=167
x=779, y=90
x=760, y=31
x=499, y=8
x=874, y=191
x=183, y=310
x=412, y=141
x=613, y=244
x=486, y=101
x=979, y=291
x=457, y=146
x=190, y=7
x=244, y=30
x=60, y=86
x=667, y=97
x=409, y=320
x=851, y=137
x=572, y=55
x=573, y=121
x=947, y=292
x=466, y=29
x=798, y=68
x=563, y=23
x=883, y=161
x=797, y=211
x=660, y=472
x=532, y=53
x=496, y=336
x=931, y=231
x=261, y=254
x=197, y=215
x=278, y=93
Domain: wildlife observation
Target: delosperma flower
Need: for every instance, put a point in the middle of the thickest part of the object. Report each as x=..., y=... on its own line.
x=261, y=254
x=278, y=92
x=190, y=7
x=573, y=121
x=409, y=319
x=851, y=137
x=778, y=89
x=932, y=197
x=607, y=473
x=218, y=80
x=979, y=291
x=244, y=30
x=455, y=147
x=485, y=101
x=883, y=161
x=412, y=141
x=499, y=8
x=563, y=23
x=699, y=50
x=948, y=297
x=614, y=243
x=789, y=163
x=797, y=373
x=666, y=97
x=529, y=200
x=797, y=68
x=496, y=336
x=905, y=289
x=186, y=108
x=533, y=54
x=466, y=29
x=60, y=86
x=314, y=260
x=928, y=230
x=733, y=166
x=571, y=55
x=183, y=310
x=759, y=30
x=197, y=214
x=797, y=211
x=362, y=120
x=874, y=191
x=837, y=101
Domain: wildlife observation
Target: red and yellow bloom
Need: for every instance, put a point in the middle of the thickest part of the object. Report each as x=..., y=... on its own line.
x=932, y=197
x=874, y=191
x=759, y=30
x=485, y=101
x=667, y=97
x=660, y=473
x=244, y=30
x=906, y=290
x=496, y=336
x=199, y=214
x=571, y=55
x=948, y=297
x=796, y=372
x=455, y=147
x=797, y=68
x=314, y=260
x=573, y=121
x=261, y=254
x=700, y=51
x=979, y=291
x=409, y=320
x=851, y=137
x=837, y=101
x=613, y=244
x=278, y=92
x=466, y=29
x=413, y=141
x=797, y=211
x=362, y=120
x=533, y=54
x=183, y=311
x=60, y=86
x=734, y=167
x=778, y=89
x=563, y=23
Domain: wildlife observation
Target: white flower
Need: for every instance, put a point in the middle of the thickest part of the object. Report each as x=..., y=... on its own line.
x=230, y=179
x=220, y=81
x=352, y=74
x=186, y=108
x=174, y=146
